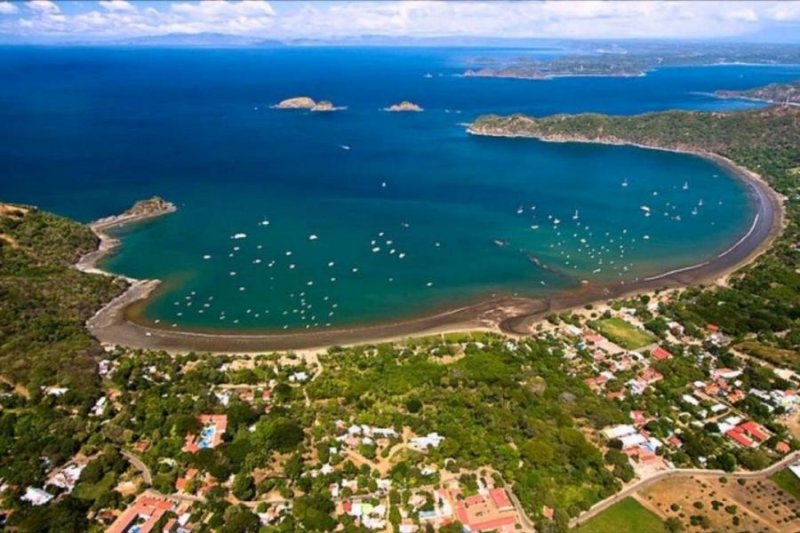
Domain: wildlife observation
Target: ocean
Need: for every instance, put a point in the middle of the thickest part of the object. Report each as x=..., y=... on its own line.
x=359, y=215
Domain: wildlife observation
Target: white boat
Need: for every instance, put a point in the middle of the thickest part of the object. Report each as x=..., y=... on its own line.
x=644, y=208
x=575, y=216
x=239, y=236
x=625, y=182
x=685, y=186
x=344, y=147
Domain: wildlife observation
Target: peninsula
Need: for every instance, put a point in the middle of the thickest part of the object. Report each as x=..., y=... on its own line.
x=403, y=106
x=304, y=102
x=775, y=93
x=140, y=211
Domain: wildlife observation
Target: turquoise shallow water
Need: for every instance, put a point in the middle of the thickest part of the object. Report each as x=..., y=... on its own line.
x=371, y=215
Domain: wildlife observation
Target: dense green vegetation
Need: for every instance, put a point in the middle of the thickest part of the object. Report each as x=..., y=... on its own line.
x=627, y=516
x=44, y=302
x=511, y=406
x=763, y=299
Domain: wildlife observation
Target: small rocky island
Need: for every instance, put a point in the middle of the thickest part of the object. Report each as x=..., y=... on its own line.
x=304, y=102
x=405, y=105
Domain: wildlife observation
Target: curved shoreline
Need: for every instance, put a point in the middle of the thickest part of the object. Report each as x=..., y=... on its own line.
x=113, y=325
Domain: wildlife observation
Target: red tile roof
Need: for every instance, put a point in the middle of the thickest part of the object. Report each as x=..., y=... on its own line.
x=500, y=498
x=660, y=354
x=754, y=430
x=739, y=437
x=148, y=509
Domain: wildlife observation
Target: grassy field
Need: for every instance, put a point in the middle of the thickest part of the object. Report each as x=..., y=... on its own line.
x=627, y=516
x=771, y=354
x=620, y=332
x=787, y=481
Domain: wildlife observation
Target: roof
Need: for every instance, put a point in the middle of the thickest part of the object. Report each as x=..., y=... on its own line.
x=754, y=430
x=147, y=508
x=660, y=353
x=740, y=438
x=500, y=498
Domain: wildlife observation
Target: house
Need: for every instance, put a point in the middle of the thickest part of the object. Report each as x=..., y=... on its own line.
x=617, y=432
x=638, y=418
x=738, y=436
x=651, y=375
x=67, y=477
x=500, y=499
x=547, y=512
x=214, y=427
x=783, y=447
x=660, y=354
x=143, y=515
x=182, y=482
x=36, y=496
x=755, y=431
x=675, y=328
x=691, y=400
x=431, y=440
x=481, y=512
x=725, y=373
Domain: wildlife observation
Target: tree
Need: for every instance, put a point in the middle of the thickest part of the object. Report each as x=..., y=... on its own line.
x=243, y=486
x=313, y=511
x=240, y=519
x=673, y=525
x=414, y=405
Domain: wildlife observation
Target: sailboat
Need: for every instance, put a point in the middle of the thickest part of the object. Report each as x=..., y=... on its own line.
x=685, y=186
x=625, y=182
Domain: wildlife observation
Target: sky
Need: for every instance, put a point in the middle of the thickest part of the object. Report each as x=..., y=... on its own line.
x=90, y=20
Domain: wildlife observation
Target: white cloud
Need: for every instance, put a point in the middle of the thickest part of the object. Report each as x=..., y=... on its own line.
x=6, y=8
x=224, y=8
x=320, y=19
x=117, y=5
x=43, y=6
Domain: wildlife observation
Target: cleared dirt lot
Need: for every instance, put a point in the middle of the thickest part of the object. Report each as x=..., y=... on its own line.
x=760, y=505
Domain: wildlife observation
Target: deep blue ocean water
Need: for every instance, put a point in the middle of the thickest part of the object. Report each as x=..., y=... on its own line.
x=86, y=132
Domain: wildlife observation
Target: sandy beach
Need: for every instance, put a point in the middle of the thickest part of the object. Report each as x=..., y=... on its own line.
x=116, y=323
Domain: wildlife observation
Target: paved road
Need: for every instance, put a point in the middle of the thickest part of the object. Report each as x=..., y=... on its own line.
x=601, y=506
x=139, y=465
